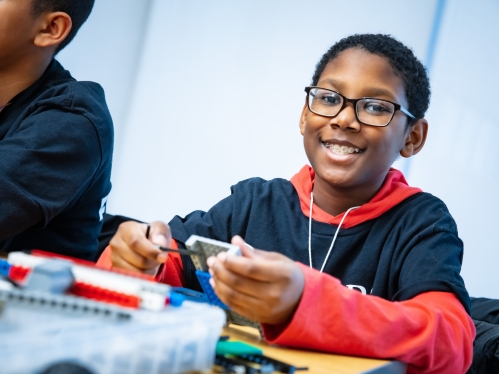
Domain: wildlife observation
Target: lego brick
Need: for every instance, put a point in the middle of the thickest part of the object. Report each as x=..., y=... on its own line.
x=153, y=295
x=181, y=293
x=204, y=280
x=4, y=268
x=104, y=295
x=236, y=348
x=232, y=317
x=18, y=273
x=279, y=366
x=53, y=276
x=24, y=260
x=62, y=303
x=135, y=274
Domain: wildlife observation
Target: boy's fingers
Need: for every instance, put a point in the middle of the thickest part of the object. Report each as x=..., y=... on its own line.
x=246, y=250
x=123, y=264
x=258, y=268
x=232, y=297
x=131, y=236
x=138, y=260
x=241, y=284
x=249, y=251
x=159, y=233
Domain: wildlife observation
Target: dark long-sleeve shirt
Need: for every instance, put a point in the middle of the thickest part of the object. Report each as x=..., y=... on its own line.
x=56, y=143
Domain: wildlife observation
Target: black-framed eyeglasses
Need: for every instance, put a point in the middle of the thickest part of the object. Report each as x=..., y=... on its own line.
x=368, y=110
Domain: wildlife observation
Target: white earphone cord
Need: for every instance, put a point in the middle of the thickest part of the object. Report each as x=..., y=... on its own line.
x=310, y=233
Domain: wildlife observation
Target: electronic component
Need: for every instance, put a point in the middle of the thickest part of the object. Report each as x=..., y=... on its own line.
x=237, y=319
x=204, y=248
x=253, y=364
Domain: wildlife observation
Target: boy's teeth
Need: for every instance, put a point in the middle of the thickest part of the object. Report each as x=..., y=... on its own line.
x=341, y=150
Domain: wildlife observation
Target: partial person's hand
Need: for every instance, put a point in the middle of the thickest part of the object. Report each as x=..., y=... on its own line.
x=262, y=286
x=131, y=250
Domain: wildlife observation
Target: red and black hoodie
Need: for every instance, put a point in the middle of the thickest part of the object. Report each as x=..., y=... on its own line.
x=402, y=248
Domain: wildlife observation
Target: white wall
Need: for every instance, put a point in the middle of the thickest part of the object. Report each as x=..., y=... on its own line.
x=460, y=162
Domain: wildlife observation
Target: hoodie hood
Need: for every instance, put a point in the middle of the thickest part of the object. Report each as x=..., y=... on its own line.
x=393, y=191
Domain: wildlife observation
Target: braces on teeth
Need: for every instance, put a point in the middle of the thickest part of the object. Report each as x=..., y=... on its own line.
x=342, y=150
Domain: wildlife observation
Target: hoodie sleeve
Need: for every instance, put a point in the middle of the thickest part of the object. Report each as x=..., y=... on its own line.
x=431, y=332
x=46, y=167
x=172, y=272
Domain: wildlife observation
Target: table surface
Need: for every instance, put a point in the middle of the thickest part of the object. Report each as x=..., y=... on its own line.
x=317, y=363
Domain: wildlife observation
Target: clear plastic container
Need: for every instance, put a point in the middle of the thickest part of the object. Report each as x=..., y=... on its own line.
x=177, y=340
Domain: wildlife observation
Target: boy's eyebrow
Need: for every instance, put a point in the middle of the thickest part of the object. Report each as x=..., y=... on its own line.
x=369, y=91
x=332, y=82
x=376, y=91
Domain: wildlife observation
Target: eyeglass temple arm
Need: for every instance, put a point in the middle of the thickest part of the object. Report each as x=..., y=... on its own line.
x=403, y=110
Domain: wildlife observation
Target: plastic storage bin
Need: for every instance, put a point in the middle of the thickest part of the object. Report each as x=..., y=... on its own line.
x=177, y=340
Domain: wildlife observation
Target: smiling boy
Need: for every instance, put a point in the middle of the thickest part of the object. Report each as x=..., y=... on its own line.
x=348, y=220
x=56, y=134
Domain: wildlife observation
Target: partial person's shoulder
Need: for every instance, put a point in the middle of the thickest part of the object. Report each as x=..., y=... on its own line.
x=83, y=103
x=426, y=209
x=258, y=185
x=82, y=96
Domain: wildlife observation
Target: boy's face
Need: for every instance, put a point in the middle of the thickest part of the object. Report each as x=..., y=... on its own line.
x=355, y=73
x=17, y=30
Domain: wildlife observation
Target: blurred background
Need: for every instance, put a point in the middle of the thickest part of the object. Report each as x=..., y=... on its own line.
x=206, y=93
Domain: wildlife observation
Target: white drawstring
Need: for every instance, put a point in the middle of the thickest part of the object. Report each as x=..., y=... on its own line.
x=310, y=233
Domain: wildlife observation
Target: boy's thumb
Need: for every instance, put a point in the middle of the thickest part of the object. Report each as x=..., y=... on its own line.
x=246, y=249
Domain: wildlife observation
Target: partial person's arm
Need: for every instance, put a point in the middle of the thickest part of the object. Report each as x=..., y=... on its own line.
x=45, y=167
x=431, y=331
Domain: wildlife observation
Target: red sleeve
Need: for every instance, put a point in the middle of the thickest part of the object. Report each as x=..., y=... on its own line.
x=431, y=332
x=172, y=272
x=104, y=261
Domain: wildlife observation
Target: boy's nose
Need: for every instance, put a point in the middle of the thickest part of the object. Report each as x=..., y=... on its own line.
x=346, y=119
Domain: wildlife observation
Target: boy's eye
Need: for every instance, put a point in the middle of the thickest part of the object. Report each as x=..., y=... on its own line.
x=328, y=98
x=377, y=108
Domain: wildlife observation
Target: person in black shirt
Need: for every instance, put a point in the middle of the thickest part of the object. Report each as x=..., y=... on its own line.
x=345, y=257
x=56, y=134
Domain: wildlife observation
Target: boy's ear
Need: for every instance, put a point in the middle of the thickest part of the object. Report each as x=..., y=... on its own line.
x=54, y=28
x=415, y=138
x=303, y=118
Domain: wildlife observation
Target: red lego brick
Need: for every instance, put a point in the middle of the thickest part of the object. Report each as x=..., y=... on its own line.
x=104, y=295
x=18, y=273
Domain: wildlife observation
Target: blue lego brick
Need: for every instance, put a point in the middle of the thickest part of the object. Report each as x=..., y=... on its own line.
x=4, y=268
x=204, y=280
x=179, y=294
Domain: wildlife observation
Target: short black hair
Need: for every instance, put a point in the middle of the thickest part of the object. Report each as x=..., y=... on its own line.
x=401, y=58
x=78, y=10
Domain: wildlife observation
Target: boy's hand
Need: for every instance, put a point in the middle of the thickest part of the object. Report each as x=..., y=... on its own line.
x=130, y=249
x=262, y=286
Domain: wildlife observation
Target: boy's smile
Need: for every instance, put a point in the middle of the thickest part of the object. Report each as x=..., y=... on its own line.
x=351, y=159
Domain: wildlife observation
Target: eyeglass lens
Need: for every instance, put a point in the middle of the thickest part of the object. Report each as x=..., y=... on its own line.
x=370, y=111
